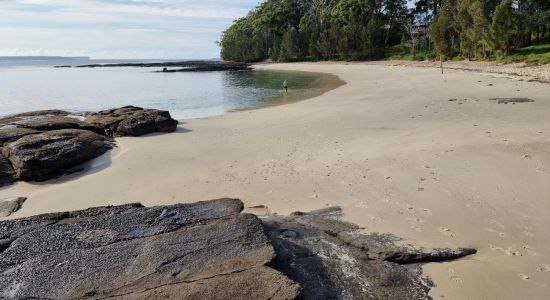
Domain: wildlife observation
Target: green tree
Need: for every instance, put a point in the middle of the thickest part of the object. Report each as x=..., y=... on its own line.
x=504, y=28
x=289, y=45
x=442, y=32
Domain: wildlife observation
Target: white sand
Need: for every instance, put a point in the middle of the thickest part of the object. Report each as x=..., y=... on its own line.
x=388, y=147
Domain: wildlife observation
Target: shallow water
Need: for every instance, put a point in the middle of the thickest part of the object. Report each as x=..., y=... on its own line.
x=27, y=87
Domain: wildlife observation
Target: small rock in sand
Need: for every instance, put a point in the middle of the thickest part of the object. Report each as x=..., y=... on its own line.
x=9, y=206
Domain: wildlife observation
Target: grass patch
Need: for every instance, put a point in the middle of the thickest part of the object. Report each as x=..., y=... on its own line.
x=538, y=54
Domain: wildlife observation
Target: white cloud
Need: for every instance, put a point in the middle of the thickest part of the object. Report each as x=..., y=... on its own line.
x=116, y=28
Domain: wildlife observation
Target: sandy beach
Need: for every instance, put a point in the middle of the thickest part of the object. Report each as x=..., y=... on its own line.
x=425, y=156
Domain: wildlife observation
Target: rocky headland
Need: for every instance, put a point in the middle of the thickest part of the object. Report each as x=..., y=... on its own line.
x=41, y=145
x=206, y=250
x=181, y=66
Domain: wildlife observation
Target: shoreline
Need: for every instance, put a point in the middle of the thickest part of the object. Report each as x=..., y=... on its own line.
x=324, y=82
x=389, y=147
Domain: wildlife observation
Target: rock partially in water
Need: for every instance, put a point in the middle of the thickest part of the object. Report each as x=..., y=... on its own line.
x=206, y=250
x=44, y=155
x=9, y=206
x=133, y=121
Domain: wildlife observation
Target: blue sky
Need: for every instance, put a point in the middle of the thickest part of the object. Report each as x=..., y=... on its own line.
x=117, y=28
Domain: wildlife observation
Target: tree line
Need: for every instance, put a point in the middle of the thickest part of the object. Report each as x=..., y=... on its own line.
x=297, y=30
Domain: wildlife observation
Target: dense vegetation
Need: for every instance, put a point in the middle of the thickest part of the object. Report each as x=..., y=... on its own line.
x=291, y=30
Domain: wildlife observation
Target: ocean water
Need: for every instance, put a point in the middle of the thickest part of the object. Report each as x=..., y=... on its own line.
x=34, y=84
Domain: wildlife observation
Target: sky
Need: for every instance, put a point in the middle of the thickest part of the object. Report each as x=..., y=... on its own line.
x=116, y=29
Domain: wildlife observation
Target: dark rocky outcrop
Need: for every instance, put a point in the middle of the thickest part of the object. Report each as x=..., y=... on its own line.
x=9, y=206
x=188, y=251
x=31, y=114
x=40, y=145
x=210, y=68
x=55, y=123
x=205, y=250
x=332, y=259
x=133, y=121
x=11, y=134
x=7, y=174
x=44, y=155
x=183, y=66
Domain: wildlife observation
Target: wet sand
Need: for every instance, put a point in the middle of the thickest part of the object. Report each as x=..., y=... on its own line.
x=389, y=147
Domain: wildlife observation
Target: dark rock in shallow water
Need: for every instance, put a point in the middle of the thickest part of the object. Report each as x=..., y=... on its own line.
x=42, y=156
x=9, y=206
x=188, y=251
x=184, y=66
x=205, y=250
x=211, y=68
x=133, y=121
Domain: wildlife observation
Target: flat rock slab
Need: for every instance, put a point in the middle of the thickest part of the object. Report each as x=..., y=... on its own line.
x=32, y=114
x=205, y=250
x=332, y=259
x=133, y=121
x=12, y=134
x=44, y=155
x=9, y=206
x=48, y=123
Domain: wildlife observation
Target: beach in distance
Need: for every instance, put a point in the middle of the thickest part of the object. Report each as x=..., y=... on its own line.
x=447, y=160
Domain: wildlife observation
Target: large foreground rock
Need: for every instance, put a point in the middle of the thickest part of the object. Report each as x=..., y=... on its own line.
x=133, y=121
x=205, y=250
x=44, y=155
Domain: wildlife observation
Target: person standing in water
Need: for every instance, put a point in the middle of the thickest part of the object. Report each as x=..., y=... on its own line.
x=285, y=86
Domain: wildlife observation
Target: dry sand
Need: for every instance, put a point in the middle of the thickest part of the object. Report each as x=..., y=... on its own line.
x=389, y=147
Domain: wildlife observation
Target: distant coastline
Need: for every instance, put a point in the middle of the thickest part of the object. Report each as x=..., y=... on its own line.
x=44, y=57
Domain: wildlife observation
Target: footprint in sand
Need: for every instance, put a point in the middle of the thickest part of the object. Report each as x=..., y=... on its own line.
x=415, y=222
x=427, y=211
x=501, y=234
x=524, y=276
x=446, y=231
x=528, y=231
x=544, y=268
x=454, y=278
x=508, y=251
x=496, y=222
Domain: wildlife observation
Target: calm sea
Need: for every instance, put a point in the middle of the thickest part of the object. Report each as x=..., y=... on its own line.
x=33, y=84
